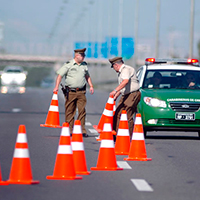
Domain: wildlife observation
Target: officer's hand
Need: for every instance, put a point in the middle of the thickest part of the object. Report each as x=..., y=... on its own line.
x=55, y=89
x=91, y=90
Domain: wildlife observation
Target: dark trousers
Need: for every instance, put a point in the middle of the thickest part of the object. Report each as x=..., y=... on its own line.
x=129, y=103
x=76, y=100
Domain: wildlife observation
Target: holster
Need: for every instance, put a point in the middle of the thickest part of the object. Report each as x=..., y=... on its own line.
x=65, y=91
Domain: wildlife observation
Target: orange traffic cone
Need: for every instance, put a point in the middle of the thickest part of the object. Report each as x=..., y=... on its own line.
x=107, y=127
x=78, y=149
x=52, y=119
x=21, y=166
x=1, y=181
x=122, y=144
x=107, y=114
x=137, y=150
x=64, y=165
x=107, y=158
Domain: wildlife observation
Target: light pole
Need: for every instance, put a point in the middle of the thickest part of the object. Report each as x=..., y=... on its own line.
x=157, y=29
x=191, y=28
x=120, y=27
x=136, y=33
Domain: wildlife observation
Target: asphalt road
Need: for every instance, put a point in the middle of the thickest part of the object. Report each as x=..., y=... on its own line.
x=172, y=174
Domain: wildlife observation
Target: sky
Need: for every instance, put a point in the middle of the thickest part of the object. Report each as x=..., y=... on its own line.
x=50, y=27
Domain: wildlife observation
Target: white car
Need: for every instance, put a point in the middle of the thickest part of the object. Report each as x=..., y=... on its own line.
x=13, y=76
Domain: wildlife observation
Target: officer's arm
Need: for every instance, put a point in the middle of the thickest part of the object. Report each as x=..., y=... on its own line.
x=89, y=80
x=58, y=80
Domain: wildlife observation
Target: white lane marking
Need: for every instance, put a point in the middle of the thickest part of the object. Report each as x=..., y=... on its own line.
x=93, y=131
x=88, y=124
x=123, y=164
x=16, y=109
x=142, y=185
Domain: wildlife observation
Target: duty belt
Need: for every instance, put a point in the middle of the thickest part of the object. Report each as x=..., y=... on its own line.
x=77, y=89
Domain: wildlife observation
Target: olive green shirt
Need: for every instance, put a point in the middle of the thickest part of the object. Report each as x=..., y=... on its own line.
x=75, y=75
x=128, y=72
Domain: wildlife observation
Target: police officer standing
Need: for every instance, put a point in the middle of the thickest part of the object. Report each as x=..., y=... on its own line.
x=129, y=89
x=76, y=76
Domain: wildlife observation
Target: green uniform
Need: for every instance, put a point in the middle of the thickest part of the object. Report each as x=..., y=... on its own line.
x=74, y=74
x=75, y=78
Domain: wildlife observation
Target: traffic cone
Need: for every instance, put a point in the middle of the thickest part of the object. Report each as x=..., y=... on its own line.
x=107, y=114
x=21, y=166
x=107, y=158
x=52, y=119
x=122, y=144
x=137, y=150
x=78, y=149
x=1, y=181
x=64, y=164
x=107, y=127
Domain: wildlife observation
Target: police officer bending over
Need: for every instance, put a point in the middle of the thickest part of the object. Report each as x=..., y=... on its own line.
x=129, y=89
x=76, y=76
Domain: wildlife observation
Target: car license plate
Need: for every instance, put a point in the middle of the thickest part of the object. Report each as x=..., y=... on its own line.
x=185, y=116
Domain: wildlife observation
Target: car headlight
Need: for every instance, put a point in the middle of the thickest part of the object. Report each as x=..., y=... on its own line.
x=155, y=102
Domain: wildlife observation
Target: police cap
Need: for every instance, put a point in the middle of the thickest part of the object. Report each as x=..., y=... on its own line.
x=81, y=51
x=114, y=60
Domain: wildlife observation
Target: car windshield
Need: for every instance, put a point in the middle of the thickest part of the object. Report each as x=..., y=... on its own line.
x=13, y=71
x=167, y=79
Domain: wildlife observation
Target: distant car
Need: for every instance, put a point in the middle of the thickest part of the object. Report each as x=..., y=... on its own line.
x=170, y=95
x=13, y=76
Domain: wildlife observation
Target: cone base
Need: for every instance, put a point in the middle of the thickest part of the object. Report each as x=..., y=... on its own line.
x=4, y=183
x=63, y=178
x=23, y=182
x=50, y=126
x=138, y=159
x=105, y=169
x=83, y=173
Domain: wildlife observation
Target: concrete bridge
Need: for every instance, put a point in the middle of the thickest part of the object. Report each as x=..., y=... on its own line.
x=99, y=68
x=42, y=61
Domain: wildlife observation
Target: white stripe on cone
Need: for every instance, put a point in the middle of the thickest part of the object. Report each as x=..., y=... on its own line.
x=53, y=108
x=110, y=100
x=77, y=129
x=107, y=127
x=65, y=131
x=21, y=153
x=138, y=136
x=55, y=97
x=107, y=144
x=108, y=113
x=123, y=117
x=21, y=138
x=138, y=120
x=77, y=146
x=64, y=149
x=123, y=132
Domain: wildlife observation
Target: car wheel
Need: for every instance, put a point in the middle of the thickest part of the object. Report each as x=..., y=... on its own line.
x=145, y=133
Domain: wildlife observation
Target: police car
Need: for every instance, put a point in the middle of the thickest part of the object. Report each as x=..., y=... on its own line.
x=170, y=95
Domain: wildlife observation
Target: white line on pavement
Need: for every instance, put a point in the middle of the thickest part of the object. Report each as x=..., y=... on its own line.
x=123, y=164
x=142, y=185
x=16, y=109
x=88, y=124
x=93, y=131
